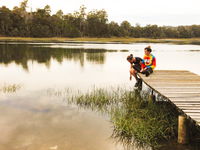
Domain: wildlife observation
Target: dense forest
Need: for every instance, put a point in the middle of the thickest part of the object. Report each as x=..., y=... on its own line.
x=41, y=23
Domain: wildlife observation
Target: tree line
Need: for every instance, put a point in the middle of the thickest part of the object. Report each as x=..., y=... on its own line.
x=40, y=23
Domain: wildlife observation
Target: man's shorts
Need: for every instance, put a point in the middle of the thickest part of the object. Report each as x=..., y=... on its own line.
x=148, y=71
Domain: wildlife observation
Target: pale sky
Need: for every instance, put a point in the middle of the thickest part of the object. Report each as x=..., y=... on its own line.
x=160, y=12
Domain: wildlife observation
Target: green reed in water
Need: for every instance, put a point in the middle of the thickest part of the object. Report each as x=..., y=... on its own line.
x=134, y=118
x=9, y=88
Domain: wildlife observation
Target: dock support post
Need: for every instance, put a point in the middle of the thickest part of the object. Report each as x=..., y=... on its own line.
x=140, y=85
x=152, y=97
x=183, y=136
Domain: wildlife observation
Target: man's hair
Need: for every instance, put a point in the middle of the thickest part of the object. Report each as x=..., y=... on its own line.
x=130, y=57
x=148, y=48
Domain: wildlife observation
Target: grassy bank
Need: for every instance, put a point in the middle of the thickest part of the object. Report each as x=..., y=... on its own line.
x=135, y=120
x=101, y=40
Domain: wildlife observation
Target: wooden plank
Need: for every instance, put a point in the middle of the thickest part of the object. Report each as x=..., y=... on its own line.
x=189, y=76
x=177, y=90
x=189, y=107
x=197, y=118
x=171, y=71
x=173, y=85
x=152, y=76
x=193, y=114
x=180, y=87
x=170, y=75
x=164, y=71
x=185, y=101
x=192, y=111
x=186, y=98
x=156, y=73
x=171, y=95
x=165, y=87
x=172, y=81
x=197, y=106
x=188, y=104
x=159, y=77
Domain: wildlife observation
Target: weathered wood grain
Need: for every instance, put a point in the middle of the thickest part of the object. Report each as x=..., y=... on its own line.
x=178, y=86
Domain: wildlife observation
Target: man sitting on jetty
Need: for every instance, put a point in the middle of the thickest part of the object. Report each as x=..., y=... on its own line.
x=135, y=67
x=148, y=63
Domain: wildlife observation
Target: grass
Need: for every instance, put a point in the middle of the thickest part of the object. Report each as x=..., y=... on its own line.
x=101, y=40
x=135, y=120
x=11, y=88
x=148, y=123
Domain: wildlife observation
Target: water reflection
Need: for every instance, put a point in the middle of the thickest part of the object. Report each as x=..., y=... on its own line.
x=21, y=54
x=32, y=120
x=117, y=104
x=56, y=128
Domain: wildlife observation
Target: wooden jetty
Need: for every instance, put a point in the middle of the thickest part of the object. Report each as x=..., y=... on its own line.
x=182, y=89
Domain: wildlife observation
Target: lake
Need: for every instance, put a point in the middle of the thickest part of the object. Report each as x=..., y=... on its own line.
x=35, y=78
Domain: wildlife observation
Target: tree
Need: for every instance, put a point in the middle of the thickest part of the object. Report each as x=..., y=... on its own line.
x=195, y=29
x=6, y=21
x=114, y=29
x=125, y=28
x=59, y=14
x=41, y=23
x=136, y=31
x=47, y=10
x=183, y=32
x=152, y=31
x=170, y=32
x=97, y=23
x=19, y=22
x=23, y=5
x=77, y=20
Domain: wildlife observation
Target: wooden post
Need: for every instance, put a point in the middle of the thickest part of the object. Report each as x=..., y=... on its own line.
x=183, y=137
x=152, y=97
x=140, y=84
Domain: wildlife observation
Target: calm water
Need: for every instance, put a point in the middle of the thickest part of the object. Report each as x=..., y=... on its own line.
x=35, y=116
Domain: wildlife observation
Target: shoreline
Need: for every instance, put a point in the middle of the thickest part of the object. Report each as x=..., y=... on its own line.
x=195, y=41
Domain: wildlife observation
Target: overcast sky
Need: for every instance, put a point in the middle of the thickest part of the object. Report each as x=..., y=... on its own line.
x=160, y=12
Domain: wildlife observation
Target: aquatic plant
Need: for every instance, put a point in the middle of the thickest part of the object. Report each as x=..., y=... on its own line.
x=134, y=118
x=10, y=88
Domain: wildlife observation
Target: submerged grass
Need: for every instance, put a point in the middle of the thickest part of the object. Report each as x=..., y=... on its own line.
x=10, y=88
x=150, y=124
x=134, y=119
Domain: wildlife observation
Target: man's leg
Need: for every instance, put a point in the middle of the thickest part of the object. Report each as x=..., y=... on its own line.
x=134, y=73
x=148, y=71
